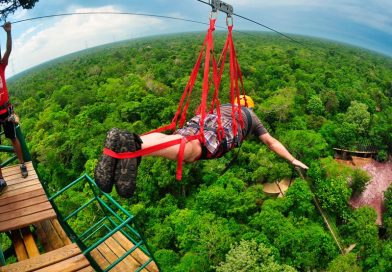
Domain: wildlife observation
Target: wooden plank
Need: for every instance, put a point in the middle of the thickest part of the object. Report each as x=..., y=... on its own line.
x=25, y=211
x=51, y=235
x=69, y=265
x=16, y=168
x=29, y=243
x=111, y=257
x=102, y=262
x=99, y=259
x=13, y=171
x=87, y=269
x=130, y=262
x=18, y=186
x=42, y=237
x=8, y=194
x=25, y=221
x=20, y=250
x=60, y=232
x=43, y=260
x=6, y=200
x=138, y=254
x=18, y=174
x=12, y=206
x=15, y=179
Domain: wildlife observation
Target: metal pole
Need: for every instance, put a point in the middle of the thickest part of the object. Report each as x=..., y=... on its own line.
x=2, y=260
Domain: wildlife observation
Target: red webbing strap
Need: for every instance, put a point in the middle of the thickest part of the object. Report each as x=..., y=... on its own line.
x=215, y=100
x=186, y=94
x=238, y=74
x=234, y=89
x=191, y=84
x=142, y=152
x=205, y=89
x=232, y=84
x=180, y=158
x=181, y=150
x=217, y=77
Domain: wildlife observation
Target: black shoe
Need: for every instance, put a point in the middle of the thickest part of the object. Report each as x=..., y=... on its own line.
x=126, y=169
x=104, y=171
x=23, y=170
x=3, y=185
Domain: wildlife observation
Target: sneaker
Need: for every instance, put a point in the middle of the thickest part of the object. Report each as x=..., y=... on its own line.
x=126, y=169
x=23, y=170
x=3, y=185
x=104, y=171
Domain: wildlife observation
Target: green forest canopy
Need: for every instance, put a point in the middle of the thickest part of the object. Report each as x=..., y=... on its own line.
x=311, y=100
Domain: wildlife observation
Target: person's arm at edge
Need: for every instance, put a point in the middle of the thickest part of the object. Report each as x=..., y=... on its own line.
x=279, y=149
x=7, y=28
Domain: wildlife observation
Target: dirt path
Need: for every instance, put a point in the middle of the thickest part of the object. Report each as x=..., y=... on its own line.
x=373, y=195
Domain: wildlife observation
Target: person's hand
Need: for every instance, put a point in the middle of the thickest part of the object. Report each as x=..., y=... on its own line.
x=298, y=163
x=7, y=27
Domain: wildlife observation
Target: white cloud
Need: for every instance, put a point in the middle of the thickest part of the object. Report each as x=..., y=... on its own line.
x=73, y=33
x=376, y=14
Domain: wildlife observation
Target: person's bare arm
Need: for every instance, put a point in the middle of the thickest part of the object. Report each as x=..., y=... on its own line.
x=7, y=28
x=279, y=149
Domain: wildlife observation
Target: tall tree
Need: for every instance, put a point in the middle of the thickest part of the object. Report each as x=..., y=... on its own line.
x=10, y=6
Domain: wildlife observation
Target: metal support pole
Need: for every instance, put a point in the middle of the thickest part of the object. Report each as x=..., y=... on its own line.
x=2, y=260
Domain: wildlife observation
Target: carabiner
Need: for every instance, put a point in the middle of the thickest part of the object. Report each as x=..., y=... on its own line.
x=229, y=20
x=214, y=14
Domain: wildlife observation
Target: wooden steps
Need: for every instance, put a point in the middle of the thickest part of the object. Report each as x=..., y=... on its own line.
x=116, y=246
x=51, y=234
x=24, y=204
x=24, y=244
x=65, y=259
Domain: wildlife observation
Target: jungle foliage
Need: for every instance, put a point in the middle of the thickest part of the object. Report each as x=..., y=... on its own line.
x=311, y=100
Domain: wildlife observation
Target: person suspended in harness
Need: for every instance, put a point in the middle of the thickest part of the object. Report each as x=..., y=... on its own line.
x=123, y=172
x=8, y=118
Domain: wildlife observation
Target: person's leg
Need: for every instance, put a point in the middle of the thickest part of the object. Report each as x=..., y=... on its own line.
x=191, y=153
x=10, y=133
x=18, y=149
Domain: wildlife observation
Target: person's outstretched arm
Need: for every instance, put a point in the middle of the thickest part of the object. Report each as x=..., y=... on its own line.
x=279, y=149
x=7, y=28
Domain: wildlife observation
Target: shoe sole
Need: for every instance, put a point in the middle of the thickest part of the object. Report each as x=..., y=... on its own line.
x=3, y=189
x=126, y=169
x=104, y=171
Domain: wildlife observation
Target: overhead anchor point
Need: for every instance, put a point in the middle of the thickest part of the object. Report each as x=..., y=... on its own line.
x=222, y=6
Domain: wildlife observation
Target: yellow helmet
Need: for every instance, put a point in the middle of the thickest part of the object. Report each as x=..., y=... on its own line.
x=248, y=100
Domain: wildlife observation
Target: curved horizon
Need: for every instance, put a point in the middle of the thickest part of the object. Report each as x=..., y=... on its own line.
x=365, y=25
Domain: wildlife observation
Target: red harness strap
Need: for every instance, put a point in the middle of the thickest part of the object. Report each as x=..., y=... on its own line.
x=148, y=150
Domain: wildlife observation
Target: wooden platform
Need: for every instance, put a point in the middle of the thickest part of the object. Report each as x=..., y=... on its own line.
x=24, y=202
x=51, y=234
x=116, y=246
x=65, y=259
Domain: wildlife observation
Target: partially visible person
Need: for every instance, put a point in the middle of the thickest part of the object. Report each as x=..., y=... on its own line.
x=123, y=172
x=7, y=116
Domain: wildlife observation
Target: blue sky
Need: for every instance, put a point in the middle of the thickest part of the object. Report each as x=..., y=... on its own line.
x=363, y=23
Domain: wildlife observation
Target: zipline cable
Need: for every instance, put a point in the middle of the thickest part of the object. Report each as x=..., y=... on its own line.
x=110, y=13
x=121, y=13
x=264, y=26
